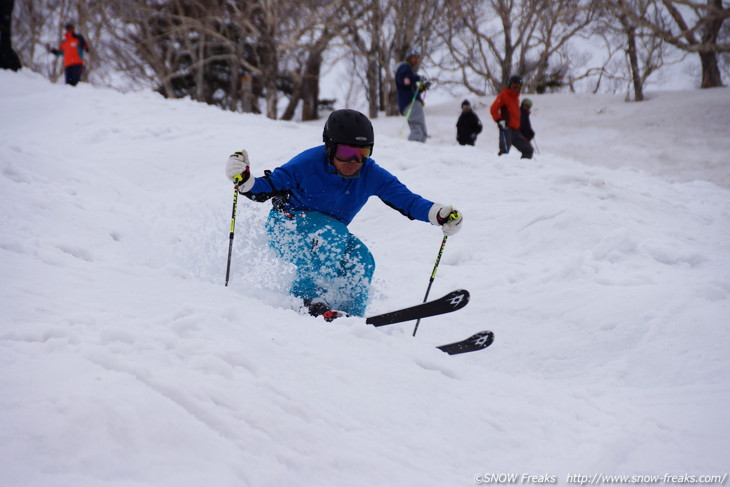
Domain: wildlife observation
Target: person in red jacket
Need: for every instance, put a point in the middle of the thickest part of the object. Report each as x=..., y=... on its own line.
x=506, y=112
x=72, y=49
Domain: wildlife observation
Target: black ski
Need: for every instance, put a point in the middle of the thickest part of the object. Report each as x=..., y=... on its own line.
x=453, y=301
x=477, y=341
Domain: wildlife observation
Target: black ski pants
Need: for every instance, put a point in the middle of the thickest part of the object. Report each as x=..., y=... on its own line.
x=510, y=137
x=73, y=74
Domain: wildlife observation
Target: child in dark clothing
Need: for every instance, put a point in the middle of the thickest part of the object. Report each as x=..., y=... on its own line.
x=525, y=124
x=468, y=126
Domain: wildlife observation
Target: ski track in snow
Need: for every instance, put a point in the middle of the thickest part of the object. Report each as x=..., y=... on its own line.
x=602, y=266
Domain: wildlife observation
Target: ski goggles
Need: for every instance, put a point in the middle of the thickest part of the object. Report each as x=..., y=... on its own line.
x=346, y=153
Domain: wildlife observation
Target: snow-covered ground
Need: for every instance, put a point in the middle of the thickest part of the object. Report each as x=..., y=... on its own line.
x=602, y=266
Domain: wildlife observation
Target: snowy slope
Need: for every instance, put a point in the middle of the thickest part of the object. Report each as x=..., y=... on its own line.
x=603, y=267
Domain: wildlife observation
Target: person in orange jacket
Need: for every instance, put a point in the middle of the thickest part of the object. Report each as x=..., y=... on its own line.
x=72, y=49
x=506, y=112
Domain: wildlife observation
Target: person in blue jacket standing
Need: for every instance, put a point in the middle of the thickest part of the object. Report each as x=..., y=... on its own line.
x=315, y=196
x=410, y=86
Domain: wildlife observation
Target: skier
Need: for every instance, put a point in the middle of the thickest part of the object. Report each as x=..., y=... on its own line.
x=72, y=49
x=525, y=124
x=410, y=102
x=315, y=196
x=468, y=126
x=506, y=112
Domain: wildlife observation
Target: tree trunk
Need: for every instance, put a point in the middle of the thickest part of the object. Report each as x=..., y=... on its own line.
x=294, y=99
x=272, y=99
x=711, y=77
x=200, y=72
x=247, y=98
x=373, y=67
x=372, y=88
x=310, y=86
x=392, y=97
x=631, y=51
x=382, y=92
x=270, y=64
x=306, y=89
x=234, y=88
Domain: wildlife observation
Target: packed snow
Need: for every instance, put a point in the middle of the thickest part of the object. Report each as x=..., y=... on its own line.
x=602, y=267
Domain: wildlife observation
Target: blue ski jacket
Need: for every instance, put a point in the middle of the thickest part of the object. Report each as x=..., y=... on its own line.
x=310, y=182
x=406, y=91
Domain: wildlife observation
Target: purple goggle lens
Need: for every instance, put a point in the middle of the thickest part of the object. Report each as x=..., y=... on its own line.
x=345, y=153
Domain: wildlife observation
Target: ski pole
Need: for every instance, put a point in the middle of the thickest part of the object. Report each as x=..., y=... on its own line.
x=433, y=276
x=534, y=140
x=237, y=180
x=452, y=216
x=504, y=140
x=408, y=113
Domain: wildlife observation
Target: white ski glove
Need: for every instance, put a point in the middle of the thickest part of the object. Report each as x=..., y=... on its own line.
x=237, y=170
x=502, y=124
x=448, y=217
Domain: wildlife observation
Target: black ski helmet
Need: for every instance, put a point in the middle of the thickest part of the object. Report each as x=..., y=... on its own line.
x=348, y=127
x=514, y=80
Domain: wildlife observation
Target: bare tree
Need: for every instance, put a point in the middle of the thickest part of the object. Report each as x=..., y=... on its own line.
x=379, y=38
x=224, y=52
x=366, y=43
x=629, y=29
x=644, y=53
x=558, y=22
x=233, y=53
x=724, y=58
x=307, y=78
x=693, y=26
x=297, y=35
x=528, y=37
x=324, y=24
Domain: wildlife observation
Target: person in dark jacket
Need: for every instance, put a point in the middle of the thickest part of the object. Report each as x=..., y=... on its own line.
x=506, y=112
x=8, y=57
x=468, y=126
x=72, y=48
x=410, y=86
x=315, y=196
x=525, y=124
